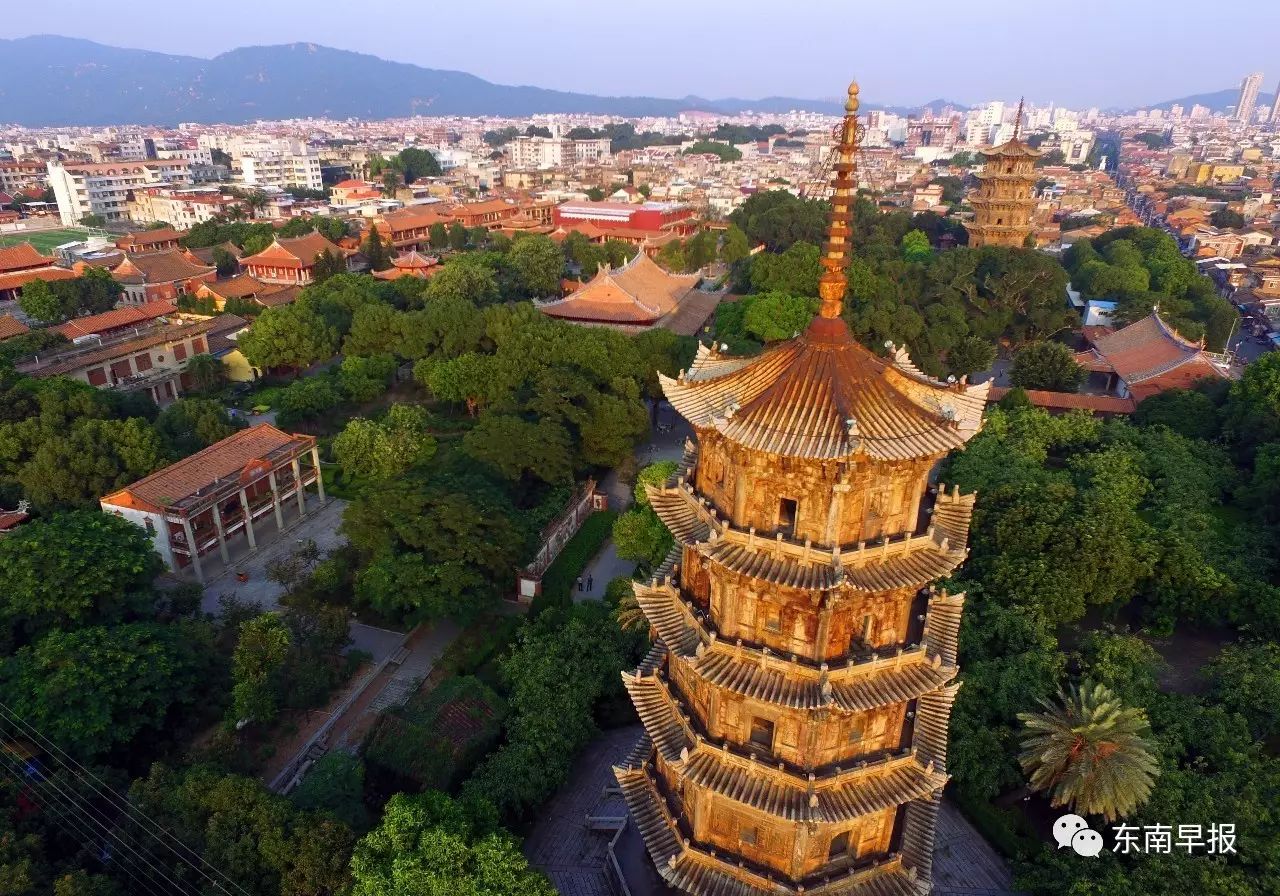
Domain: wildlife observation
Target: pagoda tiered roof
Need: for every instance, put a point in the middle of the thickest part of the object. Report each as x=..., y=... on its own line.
x=640, y=293
x=822, y=395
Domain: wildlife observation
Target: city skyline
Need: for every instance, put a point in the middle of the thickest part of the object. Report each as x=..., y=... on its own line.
x=898, y=62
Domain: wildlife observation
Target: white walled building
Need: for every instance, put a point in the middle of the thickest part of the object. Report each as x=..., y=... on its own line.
x=282, y=163
x=555, y=152
x=103, y=188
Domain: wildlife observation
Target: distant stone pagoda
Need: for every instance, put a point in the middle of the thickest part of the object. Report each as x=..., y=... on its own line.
x=1006, y=197
x=797, y=696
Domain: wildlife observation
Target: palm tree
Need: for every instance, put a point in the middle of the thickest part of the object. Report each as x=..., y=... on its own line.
x=255, y=201
x=1090, y=752
x=628, y=613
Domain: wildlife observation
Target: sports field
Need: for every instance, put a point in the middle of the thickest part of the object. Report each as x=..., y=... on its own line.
x=44, y=240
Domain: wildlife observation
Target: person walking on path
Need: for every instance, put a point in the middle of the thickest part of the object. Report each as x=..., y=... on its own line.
x=579, y=583
x=590, y=583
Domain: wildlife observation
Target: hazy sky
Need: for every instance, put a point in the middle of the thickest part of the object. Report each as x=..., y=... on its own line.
x=1086, y=52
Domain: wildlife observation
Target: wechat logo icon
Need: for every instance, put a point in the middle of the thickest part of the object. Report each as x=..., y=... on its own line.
x=1074, y=831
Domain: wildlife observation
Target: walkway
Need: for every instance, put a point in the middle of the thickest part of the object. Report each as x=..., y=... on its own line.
x=606, y=565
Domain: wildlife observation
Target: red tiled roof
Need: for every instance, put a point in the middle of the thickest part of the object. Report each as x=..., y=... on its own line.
x=1146, y=349
x=1070, y=401
x=77, y=359
x=21, y=257
x=242, y=286
x=299, y=252
x=128, y=316
x=638, y=293
x=10, y=326
x=18, y=279
x=159, y=267
x=150, y=237
x=244, y=451
x=11, y=518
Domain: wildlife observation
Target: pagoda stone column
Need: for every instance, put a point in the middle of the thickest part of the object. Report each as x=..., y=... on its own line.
x=795, y=714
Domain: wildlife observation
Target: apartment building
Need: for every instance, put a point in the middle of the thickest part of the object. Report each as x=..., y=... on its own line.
x=183, y=207
x=281, y=163
x=555, y=152
x=18, y=176
x=103, y=188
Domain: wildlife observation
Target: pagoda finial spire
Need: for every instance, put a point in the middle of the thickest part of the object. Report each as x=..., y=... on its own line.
x=1017, y=122
x=832, y=285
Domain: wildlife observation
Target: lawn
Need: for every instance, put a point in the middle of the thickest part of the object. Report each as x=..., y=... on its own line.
x=44, y=240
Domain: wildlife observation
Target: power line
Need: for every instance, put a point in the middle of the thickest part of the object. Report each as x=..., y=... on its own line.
x=156, y=831
x=77, y=816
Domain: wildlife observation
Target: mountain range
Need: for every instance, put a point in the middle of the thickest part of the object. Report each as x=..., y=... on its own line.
x=1217, y=101
x=46, y=80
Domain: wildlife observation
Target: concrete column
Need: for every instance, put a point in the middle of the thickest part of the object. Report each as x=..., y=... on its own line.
x=315, y=462
x=248, y=520
x=275, y=500
x=222, y=535
x=297, y=481
x=193, y=550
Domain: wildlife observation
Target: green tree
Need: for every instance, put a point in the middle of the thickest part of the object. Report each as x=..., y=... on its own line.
x=773, y=316
x=1046, y=365
x=98, y=688
x=93, y=221
x=190, y=424
x=73, y=569
x=735, y=246
x=915, y=247
x=256, y=668
x=415, y=163
x=375, y=250
x=971, y=355
x=794, y=272
x=91, y=459
x=778, y=219
x=387, y=448
x=723, y=151
x=1090, y=752
x=265, y=845
x=538, y=264
x=364, y=378
x=206, y=374
x=1246, y=680
x=224, y=262
x=335, y=785
x=516, y=447
x=458, y=236
x=39, y=302
x=429, y=844
x=435, y=547
x=471, y=379
x=293, y=335
x=439, y=235
x=328, y=264
x=1227, y=218
x=640, y=535
x=466, y=280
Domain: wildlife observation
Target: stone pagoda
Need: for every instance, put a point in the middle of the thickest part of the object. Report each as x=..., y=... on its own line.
x=797, y=696
x=1005, y=198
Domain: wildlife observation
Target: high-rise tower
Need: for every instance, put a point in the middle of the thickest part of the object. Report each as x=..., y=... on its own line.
x=797, y=696
x=1005, y=197
x=1275, y=109
x=1249, y=88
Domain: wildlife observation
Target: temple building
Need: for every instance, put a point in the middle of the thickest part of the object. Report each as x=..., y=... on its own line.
x=218, y=502
x=1146, y=358
x=636, y=296
x=797, y=696
x=1005, y=197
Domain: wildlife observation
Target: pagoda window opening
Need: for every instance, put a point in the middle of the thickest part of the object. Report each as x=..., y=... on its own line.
x=762, y=733
x=857, y=731
x=749, y=835
x=787, y=509
x=773, y=623
x=839, y=847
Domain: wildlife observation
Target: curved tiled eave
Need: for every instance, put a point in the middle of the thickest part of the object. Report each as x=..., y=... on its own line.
x=777, y=794
x=825, y=397
x=915, y=569
x=700, y=871
x=888, y=686
x=913, y=560
x=684, y=629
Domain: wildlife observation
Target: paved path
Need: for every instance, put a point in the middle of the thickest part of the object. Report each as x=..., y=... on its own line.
x=963, y=862
x=321, y=526
x=607, y=565
x=561, y=844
